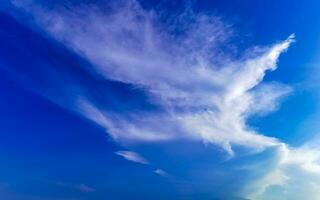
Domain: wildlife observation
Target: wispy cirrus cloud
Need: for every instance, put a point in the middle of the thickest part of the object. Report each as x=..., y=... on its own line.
x=204, y=94
x=84, y=188
x=132, y=156
x=161, y=172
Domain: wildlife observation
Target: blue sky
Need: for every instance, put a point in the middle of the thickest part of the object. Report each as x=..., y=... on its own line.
x=159, y=100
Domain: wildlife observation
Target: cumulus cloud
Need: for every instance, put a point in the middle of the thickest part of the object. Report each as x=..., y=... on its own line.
x=132, y=156
x=292, y=173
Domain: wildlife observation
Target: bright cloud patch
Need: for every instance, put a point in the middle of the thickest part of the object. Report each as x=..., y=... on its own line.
x=206, y=96
x=291, y=174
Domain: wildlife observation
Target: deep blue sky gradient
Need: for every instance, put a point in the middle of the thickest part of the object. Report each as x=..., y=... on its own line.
x=46, y=151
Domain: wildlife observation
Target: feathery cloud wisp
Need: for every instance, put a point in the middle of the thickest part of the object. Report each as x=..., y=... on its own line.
x=132, y=156
x=160, y=172
x=205, y=95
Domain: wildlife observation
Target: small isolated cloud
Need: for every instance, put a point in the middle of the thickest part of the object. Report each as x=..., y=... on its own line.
x=79, y=187
x=132, y=156
x=160, y=172
x=84, y=188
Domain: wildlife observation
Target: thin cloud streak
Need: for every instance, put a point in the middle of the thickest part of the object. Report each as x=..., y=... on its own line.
x=161, y=172
x=84, y=188
x=132, y=156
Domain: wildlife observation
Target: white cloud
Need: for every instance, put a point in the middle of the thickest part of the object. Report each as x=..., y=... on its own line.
x=84, y=188
x=160, y=172
x=206, y=96
x=132, y=156
x=293, y=173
